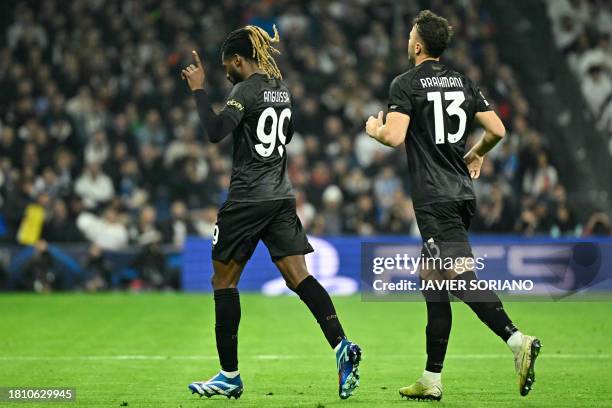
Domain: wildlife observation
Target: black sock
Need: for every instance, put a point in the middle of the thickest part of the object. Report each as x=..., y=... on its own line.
x=487, y=306
x=227, y=319
x=320, y=304
x=439, y=321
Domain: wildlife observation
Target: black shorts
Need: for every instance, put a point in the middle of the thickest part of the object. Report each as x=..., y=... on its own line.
x=444, y=228
x=240, y=226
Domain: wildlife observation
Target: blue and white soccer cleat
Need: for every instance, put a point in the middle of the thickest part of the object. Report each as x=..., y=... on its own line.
x=348, y=357
x=218, y=385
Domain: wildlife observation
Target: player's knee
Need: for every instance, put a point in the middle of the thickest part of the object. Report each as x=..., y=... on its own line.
x=222, y=281
x=435, y=296
x=292, y=280
x=290, y=285
x=293, y=270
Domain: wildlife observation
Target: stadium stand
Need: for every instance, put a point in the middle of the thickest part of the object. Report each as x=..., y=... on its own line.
x=100, y=140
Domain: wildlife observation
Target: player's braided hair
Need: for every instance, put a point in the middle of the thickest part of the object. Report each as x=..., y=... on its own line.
x=254, y=42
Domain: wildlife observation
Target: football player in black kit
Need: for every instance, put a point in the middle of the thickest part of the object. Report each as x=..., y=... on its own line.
x=432, y=108
x=260, y=204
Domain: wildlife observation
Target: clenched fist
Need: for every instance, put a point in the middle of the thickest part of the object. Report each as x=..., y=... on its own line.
x=373, y=124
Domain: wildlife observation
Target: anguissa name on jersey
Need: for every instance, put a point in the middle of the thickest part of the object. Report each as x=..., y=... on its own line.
x=441, y=82
x=276, y=96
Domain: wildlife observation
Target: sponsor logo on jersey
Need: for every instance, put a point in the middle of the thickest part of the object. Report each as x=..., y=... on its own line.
x=235, y=104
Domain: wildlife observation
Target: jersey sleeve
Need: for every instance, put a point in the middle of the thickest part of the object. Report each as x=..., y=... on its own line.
x=235, y=103
x=400, y=97
x=481, y=103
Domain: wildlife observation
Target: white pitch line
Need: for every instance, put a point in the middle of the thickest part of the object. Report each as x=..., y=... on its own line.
x=288, y=357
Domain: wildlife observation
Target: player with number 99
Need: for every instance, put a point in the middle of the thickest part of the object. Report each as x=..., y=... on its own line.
x=260, y=204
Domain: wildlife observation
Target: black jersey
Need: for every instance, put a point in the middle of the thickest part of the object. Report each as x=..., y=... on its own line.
x=442, y=104
x=261, y=108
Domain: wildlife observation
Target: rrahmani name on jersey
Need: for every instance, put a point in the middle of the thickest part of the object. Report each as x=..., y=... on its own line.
x=442, y=104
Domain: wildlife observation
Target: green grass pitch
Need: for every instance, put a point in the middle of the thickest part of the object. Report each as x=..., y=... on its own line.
x=142, y=350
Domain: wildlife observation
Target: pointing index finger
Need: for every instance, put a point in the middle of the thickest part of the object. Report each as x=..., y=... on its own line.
x=197, y=58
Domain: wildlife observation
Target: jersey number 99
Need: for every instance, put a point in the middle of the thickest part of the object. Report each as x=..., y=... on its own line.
x=268, y=139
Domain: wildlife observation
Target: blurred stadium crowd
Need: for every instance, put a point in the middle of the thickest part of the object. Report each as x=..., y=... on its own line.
x=100, y=139
x=583, y=30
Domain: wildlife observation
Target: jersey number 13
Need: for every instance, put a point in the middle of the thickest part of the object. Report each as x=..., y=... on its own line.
x=268, y=139
x=453, y=109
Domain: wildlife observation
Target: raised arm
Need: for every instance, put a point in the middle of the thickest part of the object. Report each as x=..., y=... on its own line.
x=215, y=126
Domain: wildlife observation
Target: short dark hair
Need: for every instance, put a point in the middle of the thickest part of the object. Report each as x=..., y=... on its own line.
x=435, y=32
